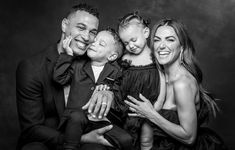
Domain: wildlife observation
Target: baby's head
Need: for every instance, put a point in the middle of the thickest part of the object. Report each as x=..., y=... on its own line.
x=133, y=31
x=107, y=46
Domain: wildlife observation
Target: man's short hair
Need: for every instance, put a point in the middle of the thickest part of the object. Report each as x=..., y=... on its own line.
x=84, y=7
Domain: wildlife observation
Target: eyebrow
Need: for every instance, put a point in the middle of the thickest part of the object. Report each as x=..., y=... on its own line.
x=86, y=26
x=80, y=24
x=166, y=37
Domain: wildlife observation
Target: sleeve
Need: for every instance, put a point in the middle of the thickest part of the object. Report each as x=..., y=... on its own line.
x=63, y=69
x=29, y=95
x=119, y=104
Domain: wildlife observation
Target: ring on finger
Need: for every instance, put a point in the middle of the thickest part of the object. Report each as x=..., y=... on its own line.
x=103, y=103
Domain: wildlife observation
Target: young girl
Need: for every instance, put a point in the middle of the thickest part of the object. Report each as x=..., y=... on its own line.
x=140, y=76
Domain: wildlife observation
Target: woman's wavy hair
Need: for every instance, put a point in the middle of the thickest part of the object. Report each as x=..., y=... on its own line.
x=189, y=61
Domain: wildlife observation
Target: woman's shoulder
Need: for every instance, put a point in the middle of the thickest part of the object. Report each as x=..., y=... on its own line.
x=185, y=82
x=186, y=85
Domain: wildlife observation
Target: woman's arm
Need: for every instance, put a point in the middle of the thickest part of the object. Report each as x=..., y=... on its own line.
x=185, y=132
x=185, y=94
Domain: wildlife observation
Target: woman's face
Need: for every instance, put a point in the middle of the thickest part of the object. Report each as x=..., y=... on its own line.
x=166, y=45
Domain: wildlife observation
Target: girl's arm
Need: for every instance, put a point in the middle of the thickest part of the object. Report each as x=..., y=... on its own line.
x=162, y=94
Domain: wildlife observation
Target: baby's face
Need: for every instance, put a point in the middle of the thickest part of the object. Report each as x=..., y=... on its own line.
x=134, y=38
x=102, y=47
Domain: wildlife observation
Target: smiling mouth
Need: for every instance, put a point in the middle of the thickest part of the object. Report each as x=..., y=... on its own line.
x=81, y=45
x=133, y=50
x=163, y=53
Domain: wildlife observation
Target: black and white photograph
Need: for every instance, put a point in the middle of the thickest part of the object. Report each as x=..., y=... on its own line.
x=117, y=75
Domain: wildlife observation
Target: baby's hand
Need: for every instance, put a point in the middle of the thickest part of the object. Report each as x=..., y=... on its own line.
x=66, y=43
x=102, y=87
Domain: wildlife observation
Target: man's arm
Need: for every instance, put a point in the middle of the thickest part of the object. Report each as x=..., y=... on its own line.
x=96, y=136
x=29, y=94
x=95, y=105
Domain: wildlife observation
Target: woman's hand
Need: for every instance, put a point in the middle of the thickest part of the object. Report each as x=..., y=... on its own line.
x=140, y=108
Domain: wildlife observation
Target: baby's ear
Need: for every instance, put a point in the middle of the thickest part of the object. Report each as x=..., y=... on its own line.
x=146, y=32
x=113, y=57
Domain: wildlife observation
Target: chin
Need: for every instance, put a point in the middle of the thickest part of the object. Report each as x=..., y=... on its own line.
x=79, y=52
x=162, y=62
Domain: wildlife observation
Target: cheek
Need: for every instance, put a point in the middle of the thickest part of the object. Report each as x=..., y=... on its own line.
x=92, y=38
x=175, y=48
x=74, y=32
x=155, y=47
x=127, y=47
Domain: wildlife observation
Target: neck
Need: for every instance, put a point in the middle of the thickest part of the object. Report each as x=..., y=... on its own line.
x=97, y=63
x=172, y=71
x=147, y=50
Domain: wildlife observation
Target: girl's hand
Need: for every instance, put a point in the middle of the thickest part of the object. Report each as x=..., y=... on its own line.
x=66, y=45
x=140, y=108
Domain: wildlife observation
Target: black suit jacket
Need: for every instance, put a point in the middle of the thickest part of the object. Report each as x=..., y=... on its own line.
x=78, y=73
x=40, y=101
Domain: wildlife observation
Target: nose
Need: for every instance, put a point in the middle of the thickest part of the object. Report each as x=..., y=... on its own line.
x=131, y=45
x=86, y=36
x=162, y=45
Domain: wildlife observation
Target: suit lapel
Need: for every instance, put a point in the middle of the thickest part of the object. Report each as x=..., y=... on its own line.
x=57, y=90
x=87, y=68
x=108, y=69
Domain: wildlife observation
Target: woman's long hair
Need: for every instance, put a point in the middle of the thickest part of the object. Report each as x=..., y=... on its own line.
x=188, y=60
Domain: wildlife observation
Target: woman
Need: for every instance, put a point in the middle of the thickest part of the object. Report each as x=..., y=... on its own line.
x=187, y=105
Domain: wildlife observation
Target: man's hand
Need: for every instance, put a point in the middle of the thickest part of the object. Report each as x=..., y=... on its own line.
x=96, y=136
x=99, y=104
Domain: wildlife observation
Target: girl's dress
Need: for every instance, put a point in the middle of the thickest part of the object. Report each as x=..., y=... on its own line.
x=136, y=80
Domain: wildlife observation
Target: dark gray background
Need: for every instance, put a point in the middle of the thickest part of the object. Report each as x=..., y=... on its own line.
x=28, y=26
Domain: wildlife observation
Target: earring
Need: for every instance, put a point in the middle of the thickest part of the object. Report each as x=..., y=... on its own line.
x=181, y=57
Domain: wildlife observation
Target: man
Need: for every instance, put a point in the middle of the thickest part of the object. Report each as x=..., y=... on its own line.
x=41, y=102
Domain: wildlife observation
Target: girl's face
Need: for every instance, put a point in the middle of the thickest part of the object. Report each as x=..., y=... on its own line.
x=166, y=45
x=134, y=38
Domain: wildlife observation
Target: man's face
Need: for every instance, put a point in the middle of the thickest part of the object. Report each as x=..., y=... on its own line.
x=82, y=27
